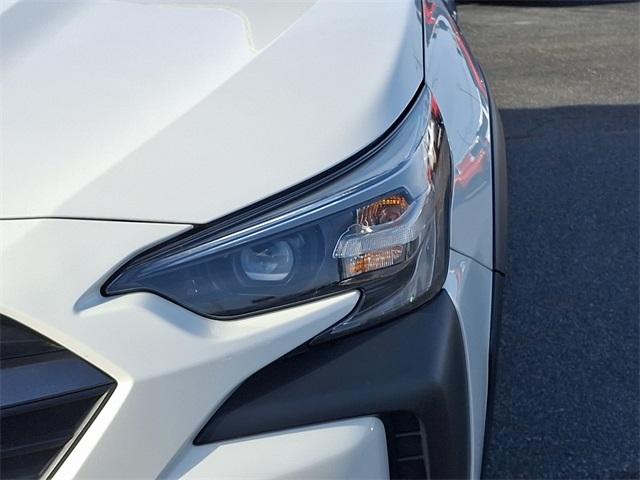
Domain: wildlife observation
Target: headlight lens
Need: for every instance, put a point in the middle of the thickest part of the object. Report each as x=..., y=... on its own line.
x=381, y=227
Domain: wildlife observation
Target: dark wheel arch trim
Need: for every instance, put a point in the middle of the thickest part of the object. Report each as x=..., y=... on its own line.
x=500, y=241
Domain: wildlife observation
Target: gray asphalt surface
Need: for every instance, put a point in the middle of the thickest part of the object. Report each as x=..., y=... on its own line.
x=567, y=81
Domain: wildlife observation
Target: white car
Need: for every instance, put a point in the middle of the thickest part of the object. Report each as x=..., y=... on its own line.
x=246, y=240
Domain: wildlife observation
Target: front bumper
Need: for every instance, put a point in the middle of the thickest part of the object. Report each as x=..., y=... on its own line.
x=174, y=370
x=408, y=371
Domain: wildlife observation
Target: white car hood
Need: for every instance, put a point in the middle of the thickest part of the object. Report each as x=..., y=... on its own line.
x=184, y=111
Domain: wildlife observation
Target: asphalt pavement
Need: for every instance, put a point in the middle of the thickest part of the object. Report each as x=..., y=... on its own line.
x=567, y=81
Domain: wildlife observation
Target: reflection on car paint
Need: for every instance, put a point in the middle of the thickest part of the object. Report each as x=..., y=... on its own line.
x=466, y=108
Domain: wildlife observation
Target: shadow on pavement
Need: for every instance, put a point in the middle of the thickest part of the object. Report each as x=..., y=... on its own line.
x=567, y=381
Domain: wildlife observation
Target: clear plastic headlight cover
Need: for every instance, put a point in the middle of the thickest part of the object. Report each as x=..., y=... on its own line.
x=380, y=226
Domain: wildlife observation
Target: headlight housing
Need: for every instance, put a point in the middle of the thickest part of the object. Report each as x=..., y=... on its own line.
x=380, y=227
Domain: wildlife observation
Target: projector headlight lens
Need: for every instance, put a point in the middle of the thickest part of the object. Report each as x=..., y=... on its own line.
x=381, y=227
x=267, y=262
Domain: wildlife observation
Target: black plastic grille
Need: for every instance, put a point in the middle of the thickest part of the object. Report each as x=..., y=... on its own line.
x=47, y=394
x=406, y=446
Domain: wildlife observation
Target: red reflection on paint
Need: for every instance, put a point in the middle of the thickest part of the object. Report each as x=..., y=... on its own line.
x=470, y=166
x=435, y=109
x=477, y=76
x=429, y=15
x=428, y=10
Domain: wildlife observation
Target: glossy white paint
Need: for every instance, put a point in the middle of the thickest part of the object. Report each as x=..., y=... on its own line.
x=143, y=110
x=355, y=448
x=281, y=455
x=173, y=367
x=469, y=284
x=456, y=82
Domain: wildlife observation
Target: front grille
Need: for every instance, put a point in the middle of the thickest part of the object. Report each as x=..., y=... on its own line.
x=47, y=397
x=406, y=446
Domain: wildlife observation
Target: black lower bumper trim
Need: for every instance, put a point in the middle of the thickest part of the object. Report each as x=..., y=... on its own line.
x=415, y=364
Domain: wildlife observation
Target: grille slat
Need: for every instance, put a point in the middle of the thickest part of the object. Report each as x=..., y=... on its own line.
x=52, y=443
x=46, y=394
x=408, y=434
x=409, y=459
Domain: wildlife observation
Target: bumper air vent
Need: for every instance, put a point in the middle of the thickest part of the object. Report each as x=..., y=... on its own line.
x=48, y=396
x=405, y=446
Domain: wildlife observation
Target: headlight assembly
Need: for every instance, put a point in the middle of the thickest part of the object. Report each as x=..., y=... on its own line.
x=380, y=227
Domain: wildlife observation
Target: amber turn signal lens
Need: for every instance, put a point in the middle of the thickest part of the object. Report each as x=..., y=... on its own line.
x=381, y=237
x=371, y=261
x=382, y=211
